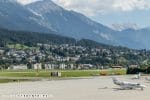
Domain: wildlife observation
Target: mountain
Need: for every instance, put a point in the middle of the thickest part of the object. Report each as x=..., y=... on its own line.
x=138, y=39
x=15, y=16
x=45, y=16
x=70, y=23
x=73, y=24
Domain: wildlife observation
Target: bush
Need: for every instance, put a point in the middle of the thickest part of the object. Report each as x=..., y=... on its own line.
x=138, y=70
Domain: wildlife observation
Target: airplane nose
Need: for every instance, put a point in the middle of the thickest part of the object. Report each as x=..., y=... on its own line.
x=143, y=86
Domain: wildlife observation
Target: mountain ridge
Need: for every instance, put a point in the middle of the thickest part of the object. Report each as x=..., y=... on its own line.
x=45, y=16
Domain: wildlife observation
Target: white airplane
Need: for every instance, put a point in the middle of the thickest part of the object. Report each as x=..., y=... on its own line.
x=128, y=85
x=147, y=79
x=137, y=76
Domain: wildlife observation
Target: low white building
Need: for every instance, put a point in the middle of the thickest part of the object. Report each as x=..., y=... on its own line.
x=1, y=52
x=62, y=66
x=72, y=66
x=18, y=67
x=133, y=66
x=50, y=66
x=37, y=66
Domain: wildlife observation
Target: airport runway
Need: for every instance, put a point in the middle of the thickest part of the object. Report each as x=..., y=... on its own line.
x=93, y=88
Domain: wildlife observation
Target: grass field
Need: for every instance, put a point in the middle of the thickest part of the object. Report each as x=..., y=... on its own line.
x=20, y=46
x=12, y=80
x=29, y=75
x=65, y=73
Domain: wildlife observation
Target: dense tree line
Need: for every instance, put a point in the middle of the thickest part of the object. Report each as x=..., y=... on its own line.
x=31, y=38
x=138, y=70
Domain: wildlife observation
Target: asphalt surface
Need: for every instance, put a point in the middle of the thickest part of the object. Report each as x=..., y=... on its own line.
x=92, y=88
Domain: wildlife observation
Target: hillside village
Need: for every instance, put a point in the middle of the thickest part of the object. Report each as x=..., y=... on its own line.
x=70, y=57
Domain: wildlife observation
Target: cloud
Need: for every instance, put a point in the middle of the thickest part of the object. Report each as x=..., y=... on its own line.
x=95, y=7
x=92, y=7
x=130, y=5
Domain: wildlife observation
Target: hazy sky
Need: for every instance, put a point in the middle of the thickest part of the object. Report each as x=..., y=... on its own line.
x=109, y=12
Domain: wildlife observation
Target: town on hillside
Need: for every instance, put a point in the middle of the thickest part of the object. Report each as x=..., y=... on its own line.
x=70, y=57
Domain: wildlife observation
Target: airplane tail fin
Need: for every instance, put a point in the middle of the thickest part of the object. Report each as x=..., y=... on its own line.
x=146, y=78
x=114, y=79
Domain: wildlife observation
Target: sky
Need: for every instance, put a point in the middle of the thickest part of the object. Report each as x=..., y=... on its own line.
x=109, y=12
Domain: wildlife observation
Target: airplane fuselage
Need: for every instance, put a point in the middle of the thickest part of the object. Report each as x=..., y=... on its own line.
x=128, y=85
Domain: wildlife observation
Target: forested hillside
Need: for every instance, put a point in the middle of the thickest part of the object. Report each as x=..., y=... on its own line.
x=19, y=47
